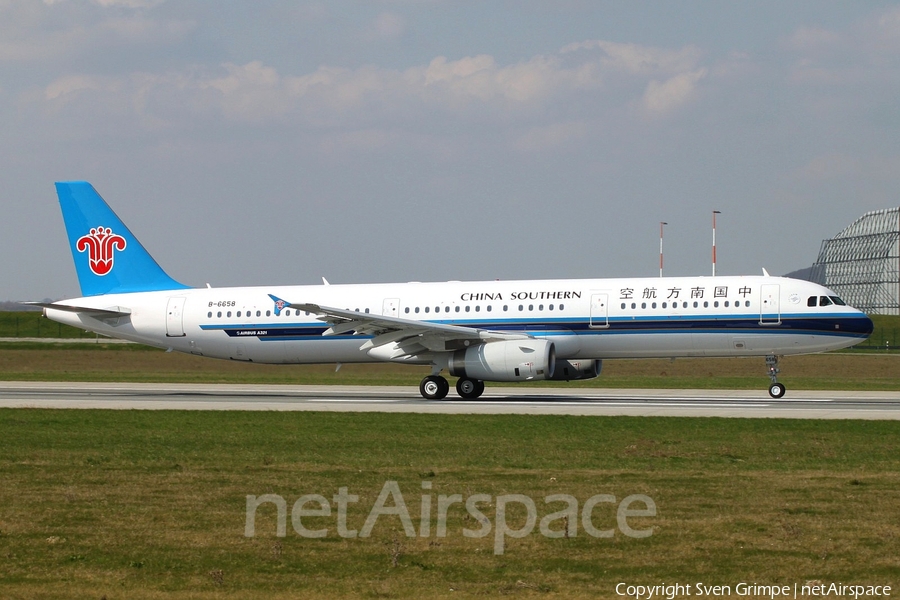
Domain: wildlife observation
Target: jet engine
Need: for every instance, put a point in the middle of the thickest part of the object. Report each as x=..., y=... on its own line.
x=513, y=360
x=570, y=370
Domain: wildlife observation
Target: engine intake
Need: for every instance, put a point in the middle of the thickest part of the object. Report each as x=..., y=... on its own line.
x=514, y=360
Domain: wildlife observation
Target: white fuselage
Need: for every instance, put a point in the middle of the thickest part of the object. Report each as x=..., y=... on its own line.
x=584, y=318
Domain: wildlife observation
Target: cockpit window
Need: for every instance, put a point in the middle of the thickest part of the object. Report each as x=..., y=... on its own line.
x=811, y=301
x=824, y=301
x=838, y=301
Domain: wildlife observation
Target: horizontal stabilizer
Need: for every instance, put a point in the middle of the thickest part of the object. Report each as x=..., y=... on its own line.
x=99, y=313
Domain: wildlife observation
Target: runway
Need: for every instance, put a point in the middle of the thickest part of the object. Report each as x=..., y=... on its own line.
x=496, y=400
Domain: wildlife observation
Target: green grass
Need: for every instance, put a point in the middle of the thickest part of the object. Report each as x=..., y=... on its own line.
x=25, y=324
x=147, y=504
x=134, y=363
x=885, y=335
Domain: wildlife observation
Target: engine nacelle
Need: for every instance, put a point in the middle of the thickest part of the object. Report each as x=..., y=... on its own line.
x=514, y=360
x=570, y=370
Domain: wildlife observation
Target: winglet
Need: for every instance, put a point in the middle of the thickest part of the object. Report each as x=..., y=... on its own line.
x=280, y=304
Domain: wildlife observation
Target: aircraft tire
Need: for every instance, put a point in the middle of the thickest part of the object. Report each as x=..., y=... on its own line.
x=434, y=387
x=777, y=390
x=469, y=388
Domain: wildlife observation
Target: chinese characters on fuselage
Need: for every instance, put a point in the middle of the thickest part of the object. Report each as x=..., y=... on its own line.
x=675, y=293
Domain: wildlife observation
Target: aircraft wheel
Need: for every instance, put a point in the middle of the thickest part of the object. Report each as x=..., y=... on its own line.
x=776, y=390
x=469, y=388
x=434, y=387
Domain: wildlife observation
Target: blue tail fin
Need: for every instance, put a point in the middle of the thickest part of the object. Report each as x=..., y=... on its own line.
x=108, y=258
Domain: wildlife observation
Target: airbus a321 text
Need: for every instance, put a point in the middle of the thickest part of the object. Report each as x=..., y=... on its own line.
x=478, y=331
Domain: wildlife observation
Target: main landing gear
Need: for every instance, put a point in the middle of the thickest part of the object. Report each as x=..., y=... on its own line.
x=435, y=387
x=776, y=390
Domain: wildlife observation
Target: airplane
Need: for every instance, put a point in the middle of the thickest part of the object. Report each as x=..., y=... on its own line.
x=477, y=331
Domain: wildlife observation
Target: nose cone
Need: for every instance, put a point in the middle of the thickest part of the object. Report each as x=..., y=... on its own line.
x=862, y=325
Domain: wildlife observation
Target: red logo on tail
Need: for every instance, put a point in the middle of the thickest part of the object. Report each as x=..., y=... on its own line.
x=100, y=245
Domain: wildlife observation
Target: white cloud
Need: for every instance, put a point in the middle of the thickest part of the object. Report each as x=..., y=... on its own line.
x=45, y=33
x=663, y=97
x=579, y=86
x=251, y=92
x=389, y=25
x=129, y=3
x=865, y=53
x=638, y=59
x=77, y=83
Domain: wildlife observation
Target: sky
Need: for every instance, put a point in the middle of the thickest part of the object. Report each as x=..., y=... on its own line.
x=279, y=142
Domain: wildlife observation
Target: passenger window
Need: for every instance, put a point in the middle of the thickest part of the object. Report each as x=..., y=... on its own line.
x=643, y=305
x=695, y=304
x=489, y=308
x=633, y=305
x=521, y=308
x=468, y=308
x=705, y=304
x=406, y=310
x=505, y=307
x=209, y=315
x=268, y=313
x=457, y=309
x=446, y=309
x=623, y=306
x=562, y=306
x=228, y=314
x=531, y=307
x=551, y=307
x=653, y=305
x=665, y=304
x=427, y=309
x=726, y=304
x=417, y=310
x=824, y=301
x=540, y=307
x=477, y=308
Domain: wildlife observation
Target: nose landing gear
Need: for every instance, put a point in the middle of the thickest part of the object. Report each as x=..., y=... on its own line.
x=776, y=390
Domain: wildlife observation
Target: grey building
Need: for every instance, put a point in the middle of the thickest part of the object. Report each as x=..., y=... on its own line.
x=862, y=263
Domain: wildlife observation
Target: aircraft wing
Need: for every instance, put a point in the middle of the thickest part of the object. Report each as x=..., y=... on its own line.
x=409, y=335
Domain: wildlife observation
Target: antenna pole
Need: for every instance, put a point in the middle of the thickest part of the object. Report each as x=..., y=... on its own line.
x=661, y=223
x=714, y=213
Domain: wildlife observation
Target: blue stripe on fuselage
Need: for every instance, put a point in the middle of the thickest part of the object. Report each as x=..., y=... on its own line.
x=832, y=325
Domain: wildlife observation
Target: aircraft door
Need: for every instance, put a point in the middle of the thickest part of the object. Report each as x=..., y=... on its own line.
x=769, y=304
x=599, y=311
x=391, y=307
x=175, y=317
